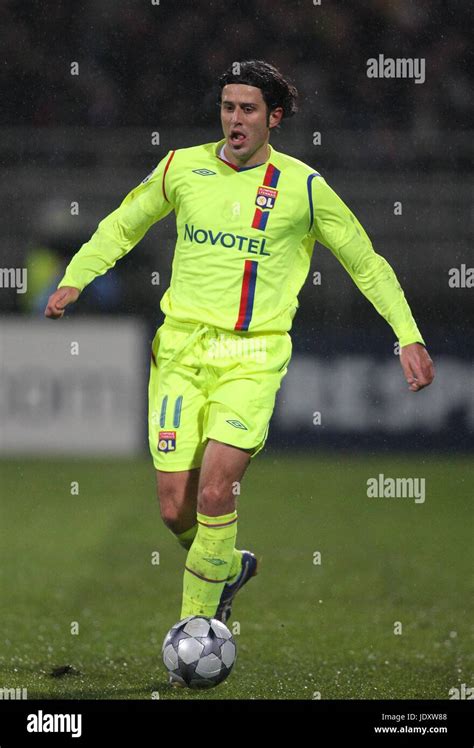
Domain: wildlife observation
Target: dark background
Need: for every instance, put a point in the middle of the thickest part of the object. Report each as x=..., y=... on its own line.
x=147, y=69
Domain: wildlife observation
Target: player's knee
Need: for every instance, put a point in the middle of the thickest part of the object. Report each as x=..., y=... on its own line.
x=174, y=510
x=171, y=516
x=214, y=500
x=177, y=496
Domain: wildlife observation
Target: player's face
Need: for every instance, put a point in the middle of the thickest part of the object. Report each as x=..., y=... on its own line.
x=245, y=120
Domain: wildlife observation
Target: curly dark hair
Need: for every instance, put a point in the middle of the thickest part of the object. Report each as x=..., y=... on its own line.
x=276, y=90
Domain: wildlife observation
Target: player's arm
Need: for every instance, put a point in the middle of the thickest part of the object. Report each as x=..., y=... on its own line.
x=115, y=236
x=335, y=226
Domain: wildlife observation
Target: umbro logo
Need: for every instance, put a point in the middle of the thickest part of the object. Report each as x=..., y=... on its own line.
x=215, y=561
x=204, y=172
x=237, y=425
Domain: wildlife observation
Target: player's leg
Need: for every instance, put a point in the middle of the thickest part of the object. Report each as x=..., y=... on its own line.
x=223, y=467
x=177, y=496
x=222, y=471
x=176, y=403
x=213, y=558
x=239, y=414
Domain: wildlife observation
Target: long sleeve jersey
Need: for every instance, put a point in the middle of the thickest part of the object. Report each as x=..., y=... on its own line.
x=245, y=241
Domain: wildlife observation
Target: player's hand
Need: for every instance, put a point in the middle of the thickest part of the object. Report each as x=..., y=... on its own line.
x=59, y=300
x=417, y=366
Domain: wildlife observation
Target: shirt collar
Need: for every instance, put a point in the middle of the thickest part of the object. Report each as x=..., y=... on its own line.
x=222, y=143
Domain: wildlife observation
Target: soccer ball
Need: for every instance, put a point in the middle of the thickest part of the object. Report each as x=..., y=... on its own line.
x=198, y=652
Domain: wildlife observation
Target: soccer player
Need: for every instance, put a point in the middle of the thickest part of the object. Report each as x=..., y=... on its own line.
x=247, y=220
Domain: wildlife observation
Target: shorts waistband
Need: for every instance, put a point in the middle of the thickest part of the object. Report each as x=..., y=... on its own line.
x=184, y=326
x=195, y=332
x=191, y=326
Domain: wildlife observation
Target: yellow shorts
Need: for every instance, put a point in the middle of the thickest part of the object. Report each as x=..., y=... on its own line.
x=209, y=383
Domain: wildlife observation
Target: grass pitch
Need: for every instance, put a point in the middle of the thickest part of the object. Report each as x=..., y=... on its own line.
x=386, y=614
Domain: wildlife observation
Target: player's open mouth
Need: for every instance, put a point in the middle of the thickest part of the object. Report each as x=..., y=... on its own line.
x=237, y=137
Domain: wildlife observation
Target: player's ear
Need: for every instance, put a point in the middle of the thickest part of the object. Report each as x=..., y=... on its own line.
x=275, y=117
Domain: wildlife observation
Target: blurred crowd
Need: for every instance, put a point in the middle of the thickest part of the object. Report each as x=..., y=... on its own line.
x=145, y=62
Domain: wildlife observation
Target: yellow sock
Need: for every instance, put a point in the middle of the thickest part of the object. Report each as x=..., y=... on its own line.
x=235, y=566
x=208, y=564
x=186, y=539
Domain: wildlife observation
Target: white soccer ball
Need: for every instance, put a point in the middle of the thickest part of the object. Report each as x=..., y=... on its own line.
x=199, y=652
